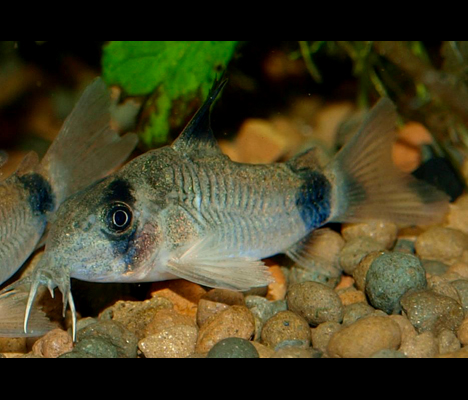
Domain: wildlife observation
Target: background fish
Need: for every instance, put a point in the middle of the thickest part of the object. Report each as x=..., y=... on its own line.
x=188, y=211
x=85, y=150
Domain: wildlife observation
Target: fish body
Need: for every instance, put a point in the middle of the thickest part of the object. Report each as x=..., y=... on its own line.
x=188, y=211
x=30, y=197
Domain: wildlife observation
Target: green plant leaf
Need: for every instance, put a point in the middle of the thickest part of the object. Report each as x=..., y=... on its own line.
x=172, y=71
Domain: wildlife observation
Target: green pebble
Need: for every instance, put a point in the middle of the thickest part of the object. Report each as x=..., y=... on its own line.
x=461, y=286
x=97, y=347
x=233, y=348
x=434, y=267
x=390, y=276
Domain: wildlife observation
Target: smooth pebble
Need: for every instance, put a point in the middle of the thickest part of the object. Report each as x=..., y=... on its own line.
x=430, y=311
x=443, y=244
x=315, y=302
x=390, y=276
x=364, y=338
x=286, y=325
x=176, y=341
x=355, y=250
x=236, y=321
x=233, y=348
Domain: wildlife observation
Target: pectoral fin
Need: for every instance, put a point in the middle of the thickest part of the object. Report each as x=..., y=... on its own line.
x=211, y=266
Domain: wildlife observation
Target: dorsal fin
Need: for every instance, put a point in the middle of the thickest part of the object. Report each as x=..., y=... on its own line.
x=197, y=138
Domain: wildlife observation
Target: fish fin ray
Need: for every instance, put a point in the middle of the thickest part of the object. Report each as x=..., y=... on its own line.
x=310, y=253
x=197, y=139
x=28, y=164
x=212, y=266
x=367, y=185
x=12, y=315
x=86, y=148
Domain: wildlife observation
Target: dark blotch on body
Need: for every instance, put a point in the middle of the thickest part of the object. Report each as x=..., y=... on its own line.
x=313, y=200
x=40, y=196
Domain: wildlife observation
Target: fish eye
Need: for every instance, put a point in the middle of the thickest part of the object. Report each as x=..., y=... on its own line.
x=119, y=217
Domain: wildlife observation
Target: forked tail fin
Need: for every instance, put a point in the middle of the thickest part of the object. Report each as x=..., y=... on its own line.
x=367, y=185
x=86, y=149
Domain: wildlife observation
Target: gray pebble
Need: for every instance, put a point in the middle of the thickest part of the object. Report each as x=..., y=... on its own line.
x=434, y=267
x=461, y=287
x=296, y=352
x=387, y=353
x=404, y=246
x=98, y=347
x=298, y=274
x=315, y=302
x=77, y=354
x=233, y=348
x=448, y=342
x=441, y=286
x=355, y=250
x=136, y=315
x=262, y=310
x=113, y=333
x=355, y=311
x=390, y=276
x=429, y=311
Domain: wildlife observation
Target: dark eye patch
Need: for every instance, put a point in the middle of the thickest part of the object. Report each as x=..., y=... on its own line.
x=119, y=190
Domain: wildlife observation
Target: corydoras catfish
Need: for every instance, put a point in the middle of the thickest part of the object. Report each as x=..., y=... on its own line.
x=188, y=211
x=85, y=150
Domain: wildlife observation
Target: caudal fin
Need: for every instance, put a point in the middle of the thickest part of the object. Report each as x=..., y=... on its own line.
x=367, y=185
x=86, y=148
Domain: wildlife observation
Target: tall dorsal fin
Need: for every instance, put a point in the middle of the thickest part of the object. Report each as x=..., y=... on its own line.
x=197, y=138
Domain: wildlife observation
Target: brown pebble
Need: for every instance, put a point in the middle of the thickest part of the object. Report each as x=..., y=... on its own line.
x=53, y=344
x=430, y=311
x=462, y=353
x=440, y=286
x=424, y=345
x=355, y=250
x=360, y=272
x=284, y=326
x=260, y=142
x=216, y=301
x=277, y=289
x=263, y=351
x=322, y=334
x=136, y=315
x=167, y=318
x=443, y=244
x=13, y=345
x=407, y=330
x=382, y=232
x=463, y=332
x=184, y=295
x=236, y=321
x=177, y=341
x=448, y=342
x=364, y=338
x=315, y=302
x=457, y=218
x=459, y=268
x=351, y=296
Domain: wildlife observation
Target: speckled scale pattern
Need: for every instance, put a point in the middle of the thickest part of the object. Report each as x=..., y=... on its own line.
x=247, y=206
